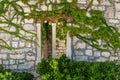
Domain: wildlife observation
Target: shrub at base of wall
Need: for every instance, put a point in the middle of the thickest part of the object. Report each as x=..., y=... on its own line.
x=63, y=68
x=8, y=75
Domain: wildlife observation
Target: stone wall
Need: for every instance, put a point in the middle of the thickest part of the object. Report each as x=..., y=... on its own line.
x=25, y=57
x=82, y=51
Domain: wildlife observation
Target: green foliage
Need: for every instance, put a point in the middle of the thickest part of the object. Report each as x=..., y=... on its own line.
x=63, y=68
x=22, y=76
x=6, y=7
x=15, y=76
x=8, y=75
x=95, y=26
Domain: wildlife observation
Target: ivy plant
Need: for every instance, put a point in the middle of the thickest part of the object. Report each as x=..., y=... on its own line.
x=90, y=29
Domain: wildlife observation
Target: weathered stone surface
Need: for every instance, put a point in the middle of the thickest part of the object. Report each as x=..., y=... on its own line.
x=32, y=2
x=21, y=44
x=12, y=29
x=11, y=61
x=29, y=58
x=117, y=15
x=29, y=27
x=5, y=36
x=112, y=58
x=26, y=9
x=114, y=21
x=22, y=4
x=69, y=0
x=26, y=65
x=81, y=58
x=102, y=59
x=0, y=61
x=29, y=20
x=96, y=54
x=43, y=7
x=78, y=53
x=95, y=2
x=102, y=8
x=15, y=44
x=117, y=6
x=3, y=56
x=5, y=62
x=17, y=56
x=13, y=67
x=88, y=52
x=105, y=54
x=82, y=1
x=28, y=44
x=109, y=13
x=91, y=58
x=21, y=61
x=80, y=45
x=15, y=39
x=50, y=7
x=105, y=2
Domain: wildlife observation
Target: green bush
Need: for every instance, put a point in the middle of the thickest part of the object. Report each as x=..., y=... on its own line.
x=8, y=75
x=63, y=68
x=22, y=76
x=15, y=76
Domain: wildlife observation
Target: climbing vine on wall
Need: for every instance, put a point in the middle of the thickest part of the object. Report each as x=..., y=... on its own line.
x=91, y=29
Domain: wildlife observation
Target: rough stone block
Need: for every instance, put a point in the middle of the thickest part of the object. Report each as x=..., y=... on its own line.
x=0, y=61
x=4, y=36
x=12, y=29
x=43, y=7
x=5, y=62
x=29, y=58
x=69, y=0
x=26, y=9
x=117, y=6
x=28, y=44
x=81, y=58
x=102, y=59
x=21, y=61
x=29, y=20
x=15, y=39
x=89, y=52
x=115, y=21
x=112, y=58
x=11, y=61
x=3, y=56
x=95, y=2
x=102, y=8
x=32, y=2
x=29, y=27
x=80, y=45
x=105, y=2
x=96, y=54
x=109, y=13
x=27, y=65
x=17, y=56
x=21, y=4
x=117, y=14
x=15, y=44
x=13, y=67
x=91, y=58
x=79, y=53
x=21, y=44
x=105, y=54
x=82, y=1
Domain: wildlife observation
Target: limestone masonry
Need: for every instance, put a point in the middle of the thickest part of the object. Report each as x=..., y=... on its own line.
x=25, y=57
